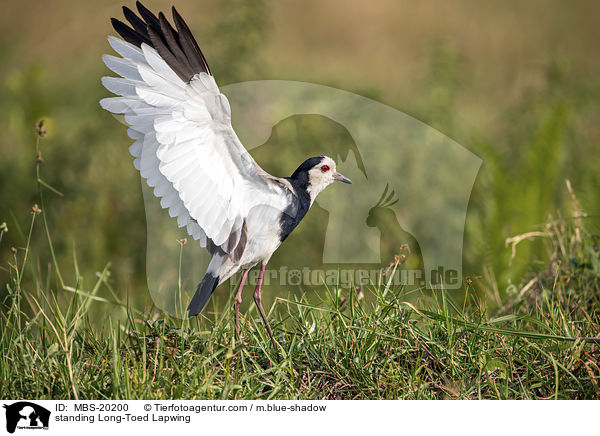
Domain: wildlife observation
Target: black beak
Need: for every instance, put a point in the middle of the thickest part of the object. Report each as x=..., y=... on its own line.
x=341, y=178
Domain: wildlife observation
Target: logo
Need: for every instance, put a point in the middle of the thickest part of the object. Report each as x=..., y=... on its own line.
x=411, y=188
x=26, y=415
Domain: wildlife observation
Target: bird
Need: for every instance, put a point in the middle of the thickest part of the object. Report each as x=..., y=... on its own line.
x=188, y=152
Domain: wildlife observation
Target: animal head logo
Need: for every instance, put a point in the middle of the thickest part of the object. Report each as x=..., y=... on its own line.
x=427, y=177
x=26, y=415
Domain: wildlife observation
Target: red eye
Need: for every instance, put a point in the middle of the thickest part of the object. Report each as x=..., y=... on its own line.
x=325, y=168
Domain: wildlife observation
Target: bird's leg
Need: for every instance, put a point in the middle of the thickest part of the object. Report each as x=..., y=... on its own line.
x=236, y=303
x=257, y=300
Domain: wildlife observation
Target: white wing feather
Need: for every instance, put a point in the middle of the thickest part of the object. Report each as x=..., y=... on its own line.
x=185, y=146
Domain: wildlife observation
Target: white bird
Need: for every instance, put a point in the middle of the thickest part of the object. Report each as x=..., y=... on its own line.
x=186, y=149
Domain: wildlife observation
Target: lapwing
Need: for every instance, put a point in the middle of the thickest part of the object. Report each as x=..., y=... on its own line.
x=187, y=151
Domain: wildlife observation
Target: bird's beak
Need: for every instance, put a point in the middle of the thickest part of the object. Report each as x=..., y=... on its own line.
x=341, y=178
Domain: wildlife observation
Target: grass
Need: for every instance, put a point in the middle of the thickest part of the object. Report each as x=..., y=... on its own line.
x=542, y=343
x=526, y=328
x=532, y=119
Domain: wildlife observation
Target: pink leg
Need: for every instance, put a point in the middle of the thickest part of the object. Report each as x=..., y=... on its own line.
x=257, y=300
x=236, y=303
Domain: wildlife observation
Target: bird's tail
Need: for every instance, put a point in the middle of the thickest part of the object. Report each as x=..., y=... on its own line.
x=206, y=287
x=203, y=293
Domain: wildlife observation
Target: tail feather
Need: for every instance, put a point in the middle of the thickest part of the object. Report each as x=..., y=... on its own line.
x=203, y=293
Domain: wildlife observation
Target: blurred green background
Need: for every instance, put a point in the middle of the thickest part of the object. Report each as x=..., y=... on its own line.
x=516, y=83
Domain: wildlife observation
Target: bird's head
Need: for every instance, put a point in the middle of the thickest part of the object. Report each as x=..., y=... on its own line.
x=316, y=173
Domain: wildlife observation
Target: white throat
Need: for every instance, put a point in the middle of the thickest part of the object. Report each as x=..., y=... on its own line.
x=313, y=191
x=316, y=185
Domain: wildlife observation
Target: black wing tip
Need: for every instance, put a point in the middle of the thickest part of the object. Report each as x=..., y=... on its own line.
x=127, y=33
x=175, y=13
x=176, y=46
x=140, y=7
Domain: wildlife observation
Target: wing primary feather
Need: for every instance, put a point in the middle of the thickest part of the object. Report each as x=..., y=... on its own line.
x=128, y=33
x=163, y=50
x=189, y=44
x=137, y=23
x=171, y=38
x=147, y=15
x=176, y=46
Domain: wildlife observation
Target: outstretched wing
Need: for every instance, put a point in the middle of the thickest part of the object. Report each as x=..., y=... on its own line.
x=185, y=146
